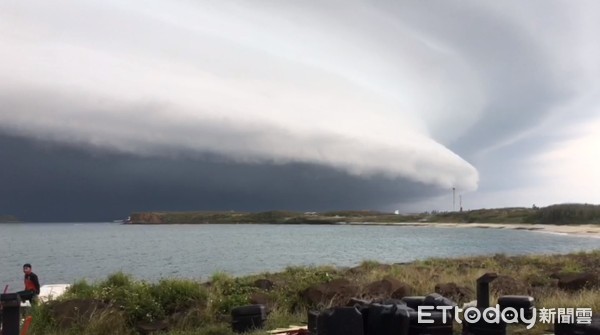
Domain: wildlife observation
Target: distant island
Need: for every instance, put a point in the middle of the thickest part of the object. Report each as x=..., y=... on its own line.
x=563, y=214
x=8, y=219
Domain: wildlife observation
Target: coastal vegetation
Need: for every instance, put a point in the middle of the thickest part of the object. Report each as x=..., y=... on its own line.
x=555, y=214
x=123, y=305
x=568, y=214
x=8, y=219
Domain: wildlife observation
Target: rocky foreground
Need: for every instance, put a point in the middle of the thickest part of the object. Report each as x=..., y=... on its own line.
x=122, y=305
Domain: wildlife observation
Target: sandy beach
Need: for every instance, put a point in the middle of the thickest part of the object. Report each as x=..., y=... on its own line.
x=581, y=230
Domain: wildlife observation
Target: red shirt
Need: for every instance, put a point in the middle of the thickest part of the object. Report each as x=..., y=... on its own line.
x=31, y=283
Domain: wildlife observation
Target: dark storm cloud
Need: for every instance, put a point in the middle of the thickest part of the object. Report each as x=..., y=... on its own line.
x=155, y=129
x=227, y=83
x=45, y=181
x=366, y=95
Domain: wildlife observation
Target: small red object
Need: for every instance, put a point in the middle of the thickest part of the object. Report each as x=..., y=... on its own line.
x=26, y=325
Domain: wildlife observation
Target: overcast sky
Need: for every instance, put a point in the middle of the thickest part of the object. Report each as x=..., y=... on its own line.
x=109, y=107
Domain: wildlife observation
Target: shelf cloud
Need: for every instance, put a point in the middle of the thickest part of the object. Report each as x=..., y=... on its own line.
x=381, y=93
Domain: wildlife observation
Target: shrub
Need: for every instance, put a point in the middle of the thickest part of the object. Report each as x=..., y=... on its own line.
x=178, y=295
x=228, y=292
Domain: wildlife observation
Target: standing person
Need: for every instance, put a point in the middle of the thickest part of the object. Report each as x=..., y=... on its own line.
x=32, y=284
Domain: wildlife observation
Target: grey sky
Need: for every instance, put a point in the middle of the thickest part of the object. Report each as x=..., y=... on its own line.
x=395, y=102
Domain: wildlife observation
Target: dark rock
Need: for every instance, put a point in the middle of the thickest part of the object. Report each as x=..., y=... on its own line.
x=337, y=292
x=383, y=287
x=459, y=293
x=264, y=284
x=387, y=287
x=505, y=285
x=403, y=291
x=555, y=273
x=577, y=281
x=539, y=281
x=446, y=288
x=261, y=298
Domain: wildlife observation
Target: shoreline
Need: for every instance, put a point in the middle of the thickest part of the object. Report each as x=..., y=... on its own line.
x=290, y=293
x=585, y=230
x=581, y=230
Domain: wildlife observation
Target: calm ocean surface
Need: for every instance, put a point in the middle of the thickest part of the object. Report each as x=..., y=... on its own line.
x=65, y=252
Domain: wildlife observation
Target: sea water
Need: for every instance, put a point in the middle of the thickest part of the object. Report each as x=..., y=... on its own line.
x=66, y=252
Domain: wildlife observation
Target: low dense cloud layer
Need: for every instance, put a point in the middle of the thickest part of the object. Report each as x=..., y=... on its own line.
x=400, y=100
x=66, y=183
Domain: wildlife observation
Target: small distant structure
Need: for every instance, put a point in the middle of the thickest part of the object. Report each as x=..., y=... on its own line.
x=397, y=212
x=310, y=213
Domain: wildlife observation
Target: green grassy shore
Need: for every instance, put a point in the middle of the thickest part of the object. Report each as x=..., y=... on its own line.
x=555, y=214
x=8, y=219
x=122, y=305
